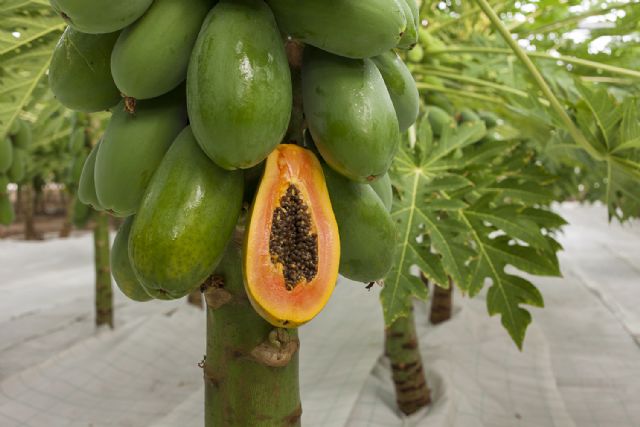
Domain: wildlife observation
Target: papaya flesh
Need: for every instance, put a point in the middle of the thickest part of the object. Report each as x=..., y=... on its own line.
x=350, y=28
x=87, y=184
x=239, y=85
x=402, y=88
x=186, y=218
x=100, y=16
x=350, y=114
x=121, y=265
x=6, y=154
x=149, y=61
x=384, y=190
x=367, y=232
x=132, y=148
x=292, y=246
x=80, y=71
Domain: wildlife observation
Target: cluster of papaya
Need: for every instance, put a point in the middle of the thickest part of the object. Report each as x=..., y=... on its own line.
x=200, y=116
x=13, y=162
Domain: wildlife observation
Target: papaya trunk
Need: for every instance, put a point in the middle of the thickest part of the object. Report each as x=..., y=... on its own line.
x=401, y=347
x=104, y=293
x=28, y=203
x=251, y=367
x=195, y=298
x=441, y=304
x=67, y=225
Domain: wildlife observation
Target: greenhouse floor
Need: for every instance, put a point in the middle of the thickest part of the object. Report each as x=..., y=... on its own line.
x=580, y=365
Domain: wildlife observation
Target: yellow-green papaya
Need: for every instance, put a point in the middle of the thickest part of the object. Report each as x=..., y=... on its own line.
x=367, y=232
x=416, y=55
x=186, y=218
x=7, y=216
x=22, y=138
x=350, y=114
x=17, y=170
x=239, y=85
x=87, y=184
x=100, y=16
x=6, y=154
x=80, y=71
x=402, y=88
x=149, y=61
x=410, y=36
x=350, y=28
x=132, y=148
x=121, y=265
x=438, y=119
x=384, y=190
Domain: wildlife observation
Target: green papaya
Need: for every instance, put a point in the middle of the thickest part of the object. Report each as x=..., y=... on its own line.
x=438, y=119
x=149, y=61
x=15, y=127
x=367, y=232
x=121, y=265
x=80, y=71
x=384, y=190
x=77, y=141
x=22, y=138
x=100, y=16
x=467, y=115
x=7, y=216
x=132, y=148
x=186, y=218
x=6, y=155
x=74, y=173
x=350, y=28
x=18, y=168
x=87, y=185
x=490, y=119
x=416, y=55
x=239, y=85
x=4, y=182
x=81, y=213
x=350, y=114
x=410, y=36
x=402, y=88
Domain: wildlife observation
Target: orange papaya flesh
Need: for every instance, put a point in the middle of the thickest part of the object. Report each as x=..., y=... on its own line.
x=292, y=246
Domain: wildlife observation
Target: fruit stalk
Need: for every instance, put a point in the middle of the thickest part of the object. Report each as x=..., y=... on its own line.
x=251, y=368
x=104, y=294
x=441, y=304
x=195, y=298
x=401, y=347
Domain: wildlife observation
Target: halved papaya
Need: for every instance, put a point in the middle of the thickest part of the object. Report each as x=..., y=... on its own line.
x=292, y=246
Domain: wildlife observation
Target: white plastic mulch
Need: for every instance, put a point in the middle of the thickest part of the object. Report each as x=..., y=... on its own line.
x=580, y=365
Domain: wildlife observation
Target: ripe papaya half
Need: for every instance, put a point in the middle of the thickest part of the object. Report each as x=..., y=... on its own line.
x=350, y=28
x=149, y=61
x=7, y=216
x=100, y=16
x=384, y=190
x=132, y=148
x=121, y=265
x=239, y=84
x=6, y=154
x=367, y=232
x=350, y=114
x=87, y=184
x=292, y=246
x=402, y=88
x=186, y=218
x=80, y=71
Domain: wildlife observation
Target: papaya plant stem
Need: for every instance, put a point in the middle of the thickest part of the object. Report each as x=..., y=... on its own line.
x=67, y=225
x=441, y=304
x=104, y=293
x=251, y=367
x=195, y=298
x=575, y=132
x=28, y=205
x=401, y=347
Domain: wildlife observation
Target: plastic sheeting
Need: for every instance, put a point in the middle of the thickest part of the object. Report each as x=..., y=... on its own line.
x=580, y=365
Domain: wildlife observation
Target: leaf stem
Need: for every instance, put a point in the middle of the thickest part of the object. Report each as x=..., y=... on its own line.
x=465, y=94
x=575, y=132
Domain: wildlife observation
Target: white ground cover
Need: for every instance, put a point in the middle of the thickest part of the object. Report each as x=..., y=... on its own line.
x=580, y=365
